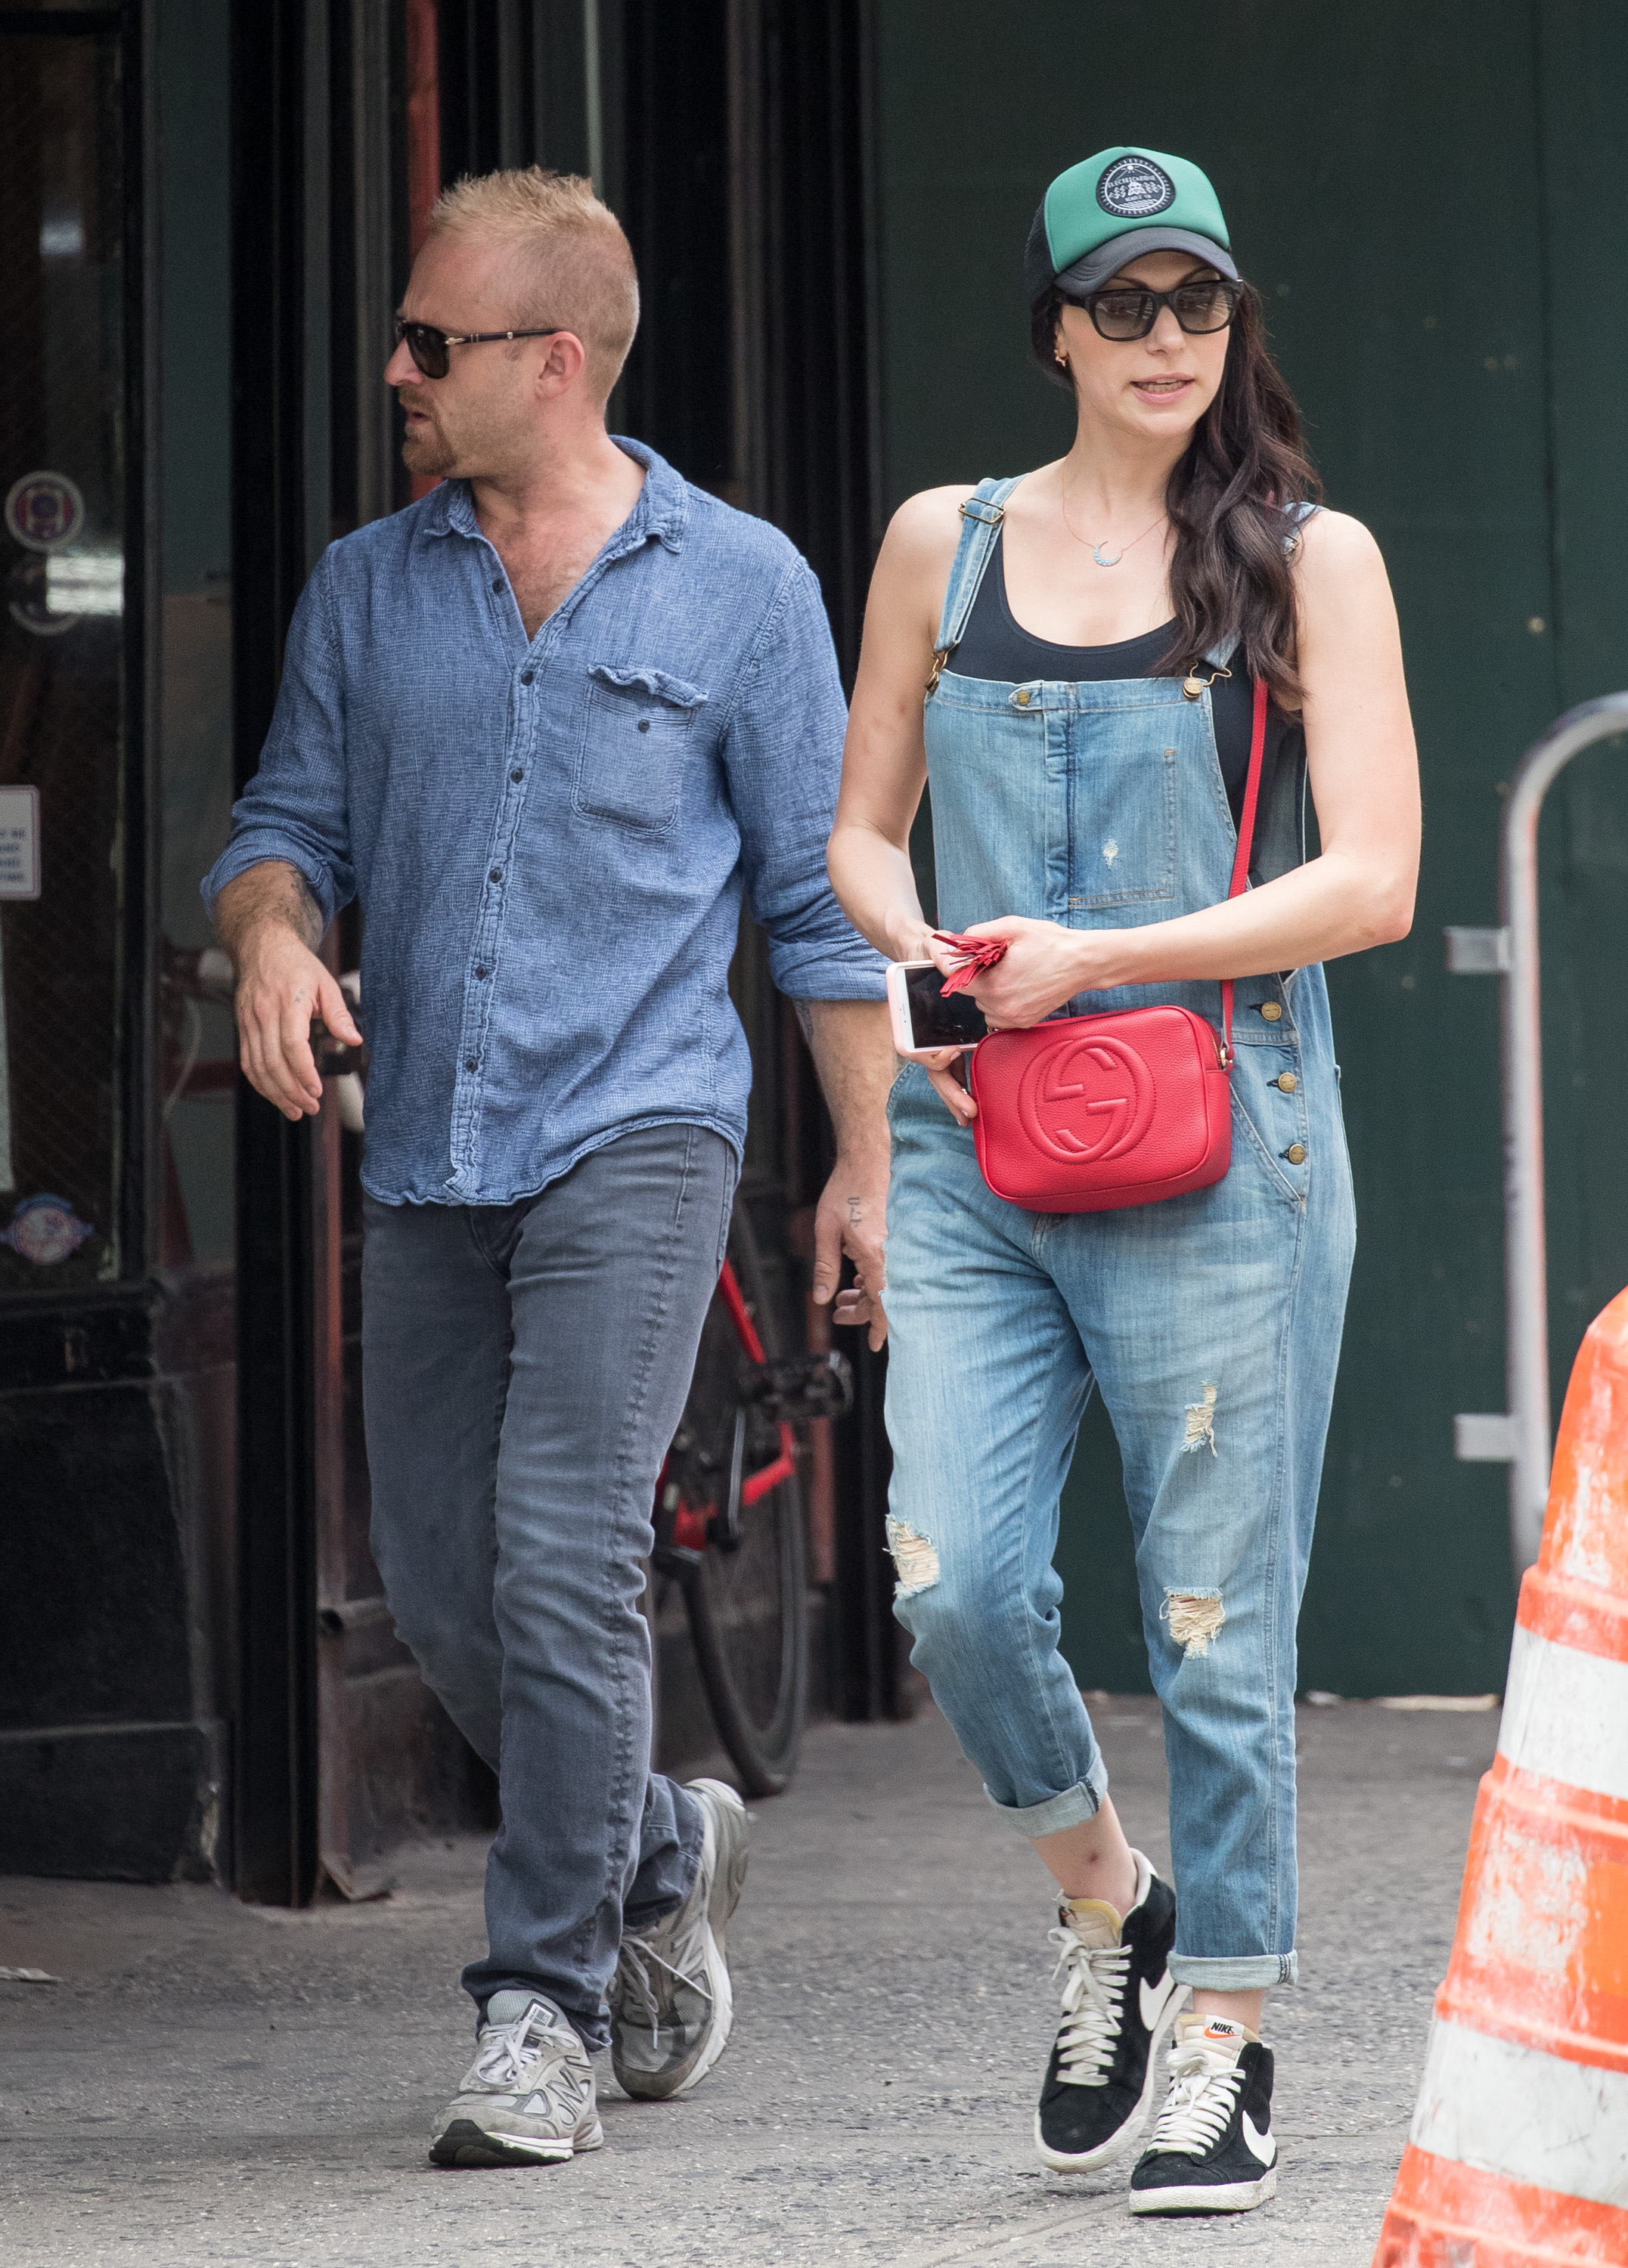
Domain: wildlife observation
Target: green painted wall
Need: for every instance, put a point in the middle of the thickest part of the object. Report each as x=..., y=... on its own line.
x=1432, y=200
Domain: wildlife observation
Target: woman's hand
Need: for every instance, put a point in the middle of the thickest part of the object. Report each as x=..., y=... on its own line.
x=946, y=1067
x=1044, y=966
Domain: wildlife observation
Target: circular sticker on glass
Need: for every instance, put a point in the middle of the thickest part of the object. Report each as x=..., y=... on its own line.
x=43, y=510
x=44, y=1229
x=1135, y=188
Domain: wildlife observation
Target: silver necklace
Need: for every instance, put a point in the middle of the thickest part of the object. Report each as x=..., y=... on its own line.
x=1096, y=549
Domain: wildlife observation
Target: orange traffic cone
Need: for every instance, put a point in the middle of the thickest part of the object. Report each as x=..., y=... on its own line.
x=1519, y=2149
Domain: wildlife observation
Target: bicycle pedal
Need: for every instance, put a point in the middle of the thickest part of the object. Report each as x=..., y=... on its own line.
x=801, y=1388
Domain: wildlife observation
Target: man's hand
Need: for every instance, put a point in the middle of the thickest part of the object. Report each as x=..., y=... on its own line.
x=852, y=1217
x=269, y=924
x=852, y=1047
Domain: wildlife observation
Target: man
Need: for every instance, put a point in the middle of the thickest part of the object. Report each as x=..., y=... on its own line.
x=547, y=724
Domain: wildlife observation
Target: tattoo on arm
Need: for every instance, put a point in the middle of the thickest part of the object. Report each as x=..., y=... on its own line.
x=855, y=1211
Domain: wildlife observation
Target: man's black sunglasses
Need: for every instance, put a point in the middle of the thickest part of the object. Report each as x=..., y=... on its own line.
x=428, y=346
x=1124, y=311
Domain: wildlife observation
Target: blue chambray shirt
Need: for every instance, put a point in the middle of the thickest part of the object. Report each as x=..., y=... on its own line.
x=550, y=838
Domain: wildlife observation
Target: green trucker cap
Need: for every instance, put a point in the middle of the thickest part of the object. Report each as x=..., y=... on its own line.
x=1078, y=238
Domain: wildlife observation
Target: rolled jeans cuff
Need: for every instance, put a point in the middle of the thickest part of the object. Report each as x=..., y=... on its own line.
x=1071, y=1809
x=1247, y=1972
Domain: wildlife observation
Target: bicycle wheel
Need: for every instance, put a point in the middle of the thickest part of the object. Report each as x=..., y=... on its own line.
x=748, y=1607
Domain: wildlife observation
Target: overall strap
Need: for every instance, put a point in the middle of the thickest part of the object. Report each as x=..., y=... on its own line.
x=1241, y=861
x=981, y=515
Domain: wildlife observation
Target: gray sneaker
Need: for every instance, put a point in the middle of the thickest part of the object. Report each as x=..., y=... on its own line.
x=527, y=2098
x=671, y=2002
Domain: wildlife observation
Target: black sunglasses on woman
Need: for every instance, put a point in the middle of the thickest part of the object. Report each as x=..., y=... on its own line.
x=1124, y=311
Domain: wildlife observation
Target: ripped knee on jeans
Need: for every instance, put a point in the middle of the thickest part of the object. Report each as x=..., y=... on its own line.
x=1200, y=1433
x=914, y=1558
x=1195, y=1618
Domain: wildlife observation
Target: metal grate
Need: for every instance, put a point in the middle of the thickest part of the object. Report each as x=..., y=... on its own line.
x=60, y=649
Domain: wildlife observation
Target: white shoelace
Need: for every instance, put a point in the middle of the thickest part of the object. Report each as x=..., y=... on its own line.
x=512, y=2063
x=635, y=1951
x=1204, y=2089
x=1094, y=2001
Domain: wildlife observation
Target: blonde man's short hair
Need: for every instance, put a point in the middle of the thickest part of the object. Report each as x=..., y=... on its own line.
x=572, y=264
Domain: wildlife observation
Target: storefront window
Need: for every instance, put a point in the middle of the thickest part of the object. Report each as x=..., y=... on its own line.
x=62, y=644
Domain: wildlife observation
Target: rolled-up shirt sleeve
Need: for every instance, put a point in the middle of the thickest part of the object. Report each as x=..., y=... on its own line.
x=783, y=753
x=295, y=808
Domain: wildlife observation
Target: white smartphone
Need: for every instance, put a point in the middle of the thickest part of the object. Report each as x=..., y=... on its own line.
x=923, y=1019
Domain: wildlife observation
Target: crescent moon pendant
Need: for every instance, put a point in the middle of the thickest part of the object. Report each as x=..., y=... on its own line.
x=1096, y=553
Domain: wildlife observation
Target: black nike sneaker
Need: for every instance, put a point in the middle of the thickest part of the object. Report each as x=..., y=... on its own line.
x=1213, y=2149
x=1118, y=1997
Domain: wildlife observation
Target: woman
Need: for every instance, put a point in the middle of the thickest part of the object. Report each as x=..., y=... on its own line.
x=1088, y=635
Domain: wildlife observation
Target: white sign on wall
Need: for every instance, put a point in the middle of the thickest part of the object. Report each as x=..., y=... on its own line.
x=19, y=843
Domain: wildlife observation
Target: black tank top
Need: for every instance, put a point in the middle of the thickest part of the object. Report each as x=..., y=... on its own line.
x=993, y=645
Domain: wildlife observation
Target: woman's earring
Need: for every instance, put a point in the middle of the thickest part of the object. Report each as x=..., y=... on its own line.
x=1061, y=360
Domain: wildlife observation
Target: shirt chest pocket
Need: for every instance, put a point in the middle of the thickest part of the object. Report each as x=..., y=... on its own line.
x=638, y=732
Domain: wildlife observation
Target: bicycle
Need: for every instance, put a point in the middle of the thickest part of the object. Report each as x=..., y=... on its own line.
x=729, y=1515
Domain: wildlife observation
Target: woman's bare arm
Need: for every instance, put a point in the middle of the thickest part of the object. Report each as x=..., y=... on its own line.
x=884, y=766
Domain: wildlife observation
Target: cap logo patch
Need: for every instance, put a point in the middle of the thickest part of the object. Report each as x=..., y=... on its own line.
x=1135, y=188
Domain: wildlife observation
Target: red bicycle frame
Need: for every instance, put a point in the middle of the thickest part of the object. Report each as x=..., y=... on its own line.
x=690, y=1521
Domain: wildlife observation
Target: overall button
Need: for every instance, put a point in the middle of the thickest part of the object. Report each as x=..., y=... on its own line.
x=1285, y=1082
x=1271, y=1009
x=1296, y=1153
x=1023, y=698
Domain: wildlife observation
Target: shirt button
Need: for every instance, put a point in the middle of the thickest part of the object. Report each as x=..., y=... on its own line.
x=497, y=585
x=483, y=972
x=496, y=876
x=1271, y=1009
x=1286, y=1081
x=472, y=1063
x=517, y=776
x=526, y=676
x=1296, y=1153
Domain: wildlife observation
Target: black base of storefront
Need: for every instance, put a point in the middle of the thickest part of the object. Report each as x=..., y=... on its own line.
x=116, y=1446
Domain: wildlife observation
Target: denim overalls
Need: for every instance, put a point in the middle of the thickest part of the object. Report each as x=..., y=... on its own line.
x=1211, y=1323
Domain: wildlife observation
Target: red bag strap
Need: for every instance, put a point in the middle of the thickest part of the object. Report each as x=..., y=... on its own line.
x=1246, y=842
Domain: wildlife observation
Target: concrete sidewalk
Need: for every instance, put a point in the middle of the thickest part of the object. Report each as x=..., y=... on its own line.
x=213, y=2083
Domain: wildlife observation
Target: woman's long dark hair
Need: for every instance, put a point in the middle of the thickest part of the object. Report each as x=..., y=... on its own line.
x=1228, y=500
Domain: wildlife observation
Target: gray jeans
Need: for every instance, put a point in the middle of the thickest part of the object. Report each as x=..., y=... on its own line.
x=524, y=1367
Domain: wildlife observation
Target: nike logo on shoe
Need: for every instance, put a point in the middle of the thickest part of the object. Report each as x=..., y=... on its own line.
x=1260, y=2146
x=1155, y=2000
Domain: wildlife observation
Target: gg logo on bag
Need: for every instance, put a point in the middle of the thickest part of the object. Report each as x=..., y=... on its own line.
x=1088, y=1097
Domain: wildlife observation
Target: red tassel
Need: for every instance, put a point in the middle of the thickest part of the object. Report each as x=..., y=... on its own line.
x=978, y=956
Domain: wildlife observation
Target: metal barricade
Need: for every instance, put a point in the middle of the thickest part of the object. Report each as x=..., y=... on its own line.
x=1521, y=1437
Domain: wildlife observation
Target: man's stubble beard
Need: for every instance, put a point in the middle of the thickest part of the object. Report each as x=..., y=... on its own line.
x=484, y=448
x=428, y=452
